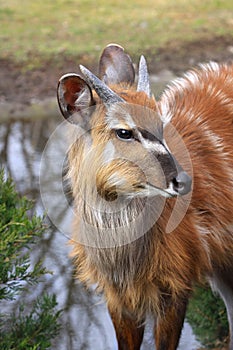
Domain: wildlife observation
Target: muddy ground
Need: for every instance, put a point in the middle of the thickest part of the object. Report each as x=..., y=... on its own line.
x=19, y=86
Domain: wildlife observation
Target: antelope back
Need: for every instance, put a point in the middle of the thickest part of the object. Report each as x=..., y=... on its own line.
x=200, y=105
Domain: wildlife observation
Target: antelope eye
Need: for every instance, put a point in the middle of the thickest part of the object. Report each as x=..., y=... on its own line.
x=124, y=134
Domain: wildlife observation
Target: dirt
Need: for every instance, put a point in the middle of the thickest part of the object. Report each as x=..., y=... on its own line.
x=18, y=85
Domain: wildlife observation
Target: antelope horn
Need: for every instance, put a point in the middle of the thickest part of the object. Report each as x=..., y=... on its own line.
x=143, y=77
x=103, y=91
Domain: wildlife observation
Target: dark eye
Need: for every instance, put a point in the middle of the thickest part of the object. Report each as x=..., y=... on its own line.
x=124, y=134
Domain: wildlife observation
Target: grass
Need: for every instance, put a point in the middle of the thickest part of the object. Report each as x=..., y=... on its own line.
x=34, y=30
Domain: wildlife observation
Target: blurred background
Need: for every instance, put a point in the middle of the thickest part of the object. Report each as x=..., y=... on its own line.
x=39, y=42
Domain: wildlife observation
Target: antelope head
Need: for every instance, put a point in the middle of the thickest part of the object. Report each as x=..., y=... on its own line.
x=126, y=154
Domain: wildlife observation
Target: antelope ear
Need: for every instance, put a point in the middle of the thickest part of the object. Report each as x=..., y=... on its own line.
x=115, y=66
x=74, y=98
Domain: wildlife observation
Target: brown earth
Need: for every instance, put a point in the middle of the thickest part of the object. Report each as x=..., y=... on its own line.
x=18, y=85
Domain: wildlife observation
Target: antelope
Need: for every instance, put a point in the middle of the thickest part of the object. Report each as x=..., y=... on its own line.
x=135, y=163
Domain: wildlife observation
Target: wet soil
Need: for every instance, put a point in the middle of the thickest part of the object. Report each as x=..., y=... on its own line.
x=20, y=86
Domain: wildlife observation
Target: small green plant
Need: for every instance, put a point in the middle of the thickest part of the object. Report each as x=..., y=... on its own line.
x=30, y=327
x=207, y=315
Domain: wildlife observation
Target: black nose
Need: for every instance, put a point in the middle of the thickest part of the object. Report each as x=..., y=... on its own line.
x=182, y=183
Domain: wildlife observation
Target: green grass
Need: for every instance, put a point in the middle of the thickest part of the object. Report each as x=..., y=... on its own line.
x=50, y=28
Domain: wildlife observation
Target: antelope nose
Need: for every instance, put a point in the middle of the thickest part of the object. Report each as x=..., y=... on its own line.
x=182, y=183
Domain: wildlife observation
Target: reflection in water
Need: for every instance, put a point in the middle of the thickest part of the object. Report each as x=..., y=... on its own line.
x=86, y=323
x=21, y=146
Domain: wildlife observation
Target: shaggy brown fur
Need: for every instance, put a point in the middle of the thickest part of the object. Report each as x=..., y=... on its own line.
x=155, y=272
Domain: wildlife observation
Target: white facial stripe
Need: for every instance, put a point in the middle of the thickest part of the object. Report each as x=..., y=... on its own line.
x=118, y=118
x=155, y=146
